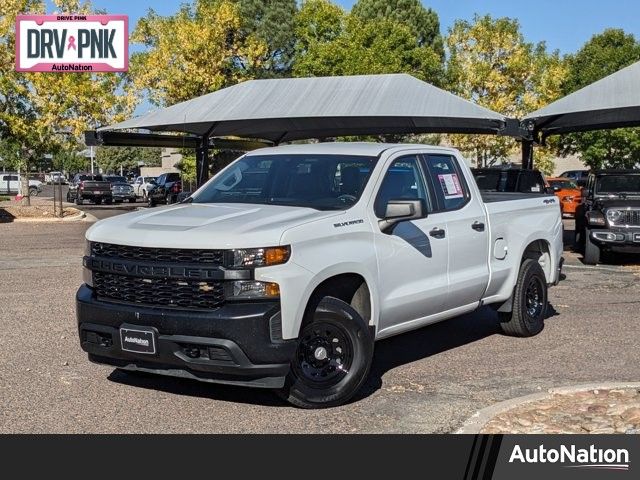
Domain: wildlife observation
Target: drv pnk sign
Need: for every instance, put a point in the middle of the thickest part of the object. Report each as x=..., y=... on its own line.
x=72, y=43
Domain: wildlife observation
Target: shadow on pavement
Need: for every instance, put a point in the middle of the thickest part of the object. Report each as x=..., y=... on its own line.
x=194, y=388
x=6, y=217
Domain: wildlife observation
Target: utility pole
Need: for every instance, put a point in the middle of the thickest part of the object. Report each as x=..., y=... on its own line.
x=91, y=155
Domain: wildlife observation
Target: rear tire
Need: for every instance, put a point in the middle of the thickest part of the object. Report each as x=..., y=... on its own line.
x=334, y=354
x=529, y=302
x=78, y=200
x=591, y=250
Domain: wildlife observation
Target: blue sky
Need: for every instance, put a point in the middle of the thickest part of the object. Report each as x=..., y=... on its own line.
x=563, y=24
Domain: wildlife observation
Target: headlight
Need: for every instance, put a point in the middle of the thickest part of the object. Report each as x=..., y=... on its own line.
x=595, y=218
x=251, y=290
x=258, y=257
x=614, y=216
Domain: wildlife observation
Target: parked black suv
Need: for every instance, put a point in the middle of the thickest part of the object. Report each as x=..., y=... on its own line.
x=609, y=217
x=166, y=189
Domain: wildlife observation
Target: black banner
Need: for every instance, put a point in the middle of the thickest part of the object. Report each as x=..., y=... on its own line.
x=465, y=457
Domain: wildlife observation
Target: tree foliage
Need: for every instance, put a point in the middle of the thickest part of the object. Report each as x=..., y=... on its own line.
x=272, y=22
x=492, y=65
x=198, y=50
x=602, y=55
x=332, y=42
x=48, y=113
x=423, y=22
x=110, y=159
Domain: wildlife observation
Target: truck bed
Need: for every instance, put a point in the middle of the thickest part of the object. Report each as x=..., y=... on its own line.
x=492, y=197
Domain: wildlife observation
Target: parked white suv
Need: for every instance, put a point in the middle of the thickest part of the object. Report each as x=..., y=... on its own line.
x=283, y=269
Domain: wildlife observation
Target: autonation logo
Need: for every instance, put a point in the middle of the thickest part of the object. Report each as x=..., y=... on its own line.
x=573, y=457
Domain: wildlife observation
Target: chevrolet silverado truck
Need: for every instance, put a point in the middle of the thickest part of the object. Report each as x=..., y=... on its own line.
x=608, y=220
x=285, y=268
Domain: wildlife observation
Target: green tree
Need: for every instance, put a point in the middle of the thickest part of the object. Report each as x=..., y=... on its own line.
x=198, y=50
x=492, y=65
x=423, y=22
x=272, y=22
x=44, y=113
x=332, y=42
x=111, y=158
x=602, y=55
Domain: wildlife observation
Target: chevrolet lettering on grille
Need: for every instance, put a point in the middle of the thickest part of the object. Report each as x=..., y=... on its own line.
x=139, y=269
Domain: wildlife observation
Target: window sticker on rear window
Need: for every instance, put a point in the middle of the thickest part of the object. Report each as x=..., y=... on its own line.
x=451, y=187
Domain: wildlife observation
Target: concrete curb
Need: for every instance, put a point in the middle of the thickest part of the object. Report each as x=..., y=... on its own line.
x=72, y=218
x=477, y=421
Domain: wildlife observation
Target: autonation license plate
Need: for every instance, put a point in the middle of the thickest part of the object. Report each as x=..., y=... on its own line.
x=138, y=340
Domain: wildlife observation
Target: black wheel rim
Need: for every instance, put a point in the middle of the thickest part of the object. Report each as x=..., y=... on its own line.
x=324, y=355
x=534, y=298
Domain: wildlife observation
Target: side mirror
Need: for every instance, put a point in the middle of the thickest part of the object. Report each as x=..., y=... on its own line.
x=401, y=210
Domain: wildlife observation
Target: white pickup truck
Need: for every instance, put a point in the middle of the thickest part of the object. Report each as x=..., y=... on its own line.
x=283, y=269
x=10, y=183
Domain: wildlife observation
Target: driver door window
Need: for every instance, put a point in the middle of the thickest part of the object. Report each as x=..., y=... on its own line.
x=403, y=181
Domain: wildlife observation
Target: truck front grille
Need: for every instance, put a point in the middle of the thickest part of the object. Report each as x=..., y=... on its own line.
x=159, y=292
x=165, y=255
x=629, y=217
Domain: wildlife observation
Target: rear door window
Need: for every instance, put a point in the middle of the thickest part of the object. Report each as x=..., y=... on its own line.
x=449, y=186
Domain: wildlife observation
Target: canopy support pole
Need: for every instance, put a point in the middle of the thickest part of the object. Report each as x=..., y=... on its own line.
x=527, y=154
x=202, y=162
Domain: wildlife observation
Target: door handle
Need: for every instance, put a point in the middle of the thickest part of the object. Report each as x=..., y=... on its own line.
x=437, y=233
x=478, y=226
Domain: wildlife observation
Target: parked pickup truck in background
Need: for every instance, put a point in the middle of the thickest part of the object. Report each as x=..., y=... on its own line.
x=283, y=270
x=10, y=183
x=166, y=189
x=609, y=217
x=121, y=190
x=86, y=186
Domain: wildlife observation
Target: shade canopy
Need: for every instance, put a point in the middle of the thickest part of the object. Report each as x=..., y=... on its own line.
x=612, y=102
x=281, y=110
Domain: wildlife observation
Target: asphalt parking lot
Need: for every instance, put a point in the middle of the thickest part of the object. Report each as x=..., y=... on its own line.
x=429, y=380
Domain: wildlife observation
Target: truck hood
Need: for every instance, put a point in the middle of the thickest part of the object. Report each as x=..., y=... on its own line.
x=631, y=201
x=205, y=226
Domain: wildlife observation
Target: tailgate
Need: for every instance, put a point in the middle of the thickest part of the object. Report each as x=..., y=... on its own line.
x=104, y=187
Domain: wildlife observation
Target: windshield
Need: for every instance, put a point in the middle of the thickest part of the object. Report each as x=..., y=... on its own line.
x=562, y=184
x=322, y=182
x=618, y=184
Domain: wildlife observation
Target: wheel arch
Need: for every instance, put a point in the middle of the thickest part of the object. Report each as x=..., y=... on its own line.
x=350, y=286
x=540, y=250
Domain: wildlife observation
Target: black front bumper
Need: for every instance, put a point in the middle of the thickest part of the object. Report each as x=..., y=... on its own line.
x=627, y=240
x=238, y=343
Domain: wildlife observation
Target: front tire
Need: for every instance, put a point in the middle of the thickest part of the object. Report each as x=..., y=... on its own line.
x=78, y=200
x=334, y=354
x=591, y=250
x=530, y=301
x=150, y=202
